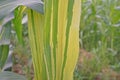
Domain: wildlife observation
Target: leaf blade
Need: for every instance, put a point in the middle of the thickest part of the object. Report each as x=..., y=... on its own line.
x=8, y=6
x=6, y=75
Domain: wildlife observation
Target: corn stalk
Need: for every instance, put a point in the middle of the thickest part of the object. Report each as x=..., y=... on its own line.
x=54, y=39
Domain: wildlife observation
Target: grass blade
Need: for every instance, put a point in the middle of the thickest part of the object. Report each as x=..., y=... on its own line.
x=18, y=15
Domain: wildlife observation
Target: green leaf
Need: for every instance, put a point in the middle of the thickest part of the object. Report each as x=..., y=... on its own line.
x=4, y=43
x=11, y=76
x=4, y=50
x=8, y=6
x=5, y=34
x=18, y=15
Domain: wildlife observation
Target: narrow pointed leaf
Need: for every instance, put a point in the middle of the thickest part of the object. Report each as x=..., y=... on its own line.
x=18, y=15
x=4, y=50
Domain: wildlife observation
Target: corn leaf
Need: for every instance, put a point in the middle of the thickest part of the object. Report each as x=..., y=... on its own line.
x=4, y=50
x=18, y=15
x=8, y=6
x=5, y=35
x=35, y=30
x=4, y=43
x=11, y=76
x=62, y=35
x=54, y=39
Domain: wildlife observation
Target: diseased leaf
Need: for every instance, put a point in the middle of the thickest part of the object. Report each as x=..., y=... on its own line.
x=54, y=39
x=35, y=30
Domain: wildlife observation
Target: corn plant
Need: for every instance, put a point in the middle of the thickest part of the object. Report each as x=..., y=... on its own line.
x=53, y=35
x=99, y=35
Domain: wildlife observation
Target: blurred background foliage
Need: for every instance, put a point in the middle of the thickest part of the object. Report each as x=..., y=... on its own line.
x=99, y=41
